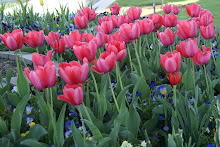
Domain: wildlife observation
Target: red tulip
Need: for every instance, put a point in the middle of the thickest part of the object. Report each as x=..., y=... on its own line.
x=86, y=51
x=127, y=19
x=170, y=20
x=146, y=26
x=89, y=13
x=134, y=13
x=89, y=37
x=118, y=37
x=73, y=36
x=108, y=38
x=13, y=40
x=101, y=19
x=52, y=37
x=157, y=20
x=193, y=10
x=188, y=49
x=175, y=9
x=117, y=21
x=171, y=62
x=174, y=78
x=197, y=20
x=186, y=29
x=206, y=17
x=43, y=76
x=207, y=32
x=130, y=31
x=73, y=72
x=78, y=43
x=105, y=63
x=73, y=94
x=100, y=39
x=40, y=59
x=118, y=48
x=34, y=38
x=166, y=37
x=81, y=22
x=115, y=9
x=202, y=57
x=107, y=27
x=167, y=9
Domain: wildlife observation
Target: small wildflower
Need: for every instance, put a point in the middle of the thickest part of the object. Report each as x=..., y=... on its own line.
x=161, y=117
x=68, y=125
x=126, y=144
x=165, y=128
x=143, y=144
x=28, y=109
x=29, y=120
x=162, y=91
x=24, y=134
x=138, y=94
x=211, y=145
x=32, y=124
x=89, y=138
x=144, y=102
x=15, y=89
x=207, y=103
x=68, y=133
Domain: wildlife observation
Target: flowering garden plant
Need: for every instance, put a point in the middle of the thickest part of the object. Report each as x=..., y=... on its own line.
x=122, y=80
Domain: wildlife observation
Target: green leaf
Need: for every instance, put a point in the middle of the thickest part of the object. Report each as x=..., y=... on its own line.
x=12, y=99
x=187, y=78
x=8, y=75
x=3, y=128
x=17, y=115
x=127, y=135
x=2, y=104
x=121, y=97
x=171, y=142
x=77, y=137
x=33, y=143
x=95, y=131
x=36, y=132
x=13, y=136
x=104, y=141
x=5, y=142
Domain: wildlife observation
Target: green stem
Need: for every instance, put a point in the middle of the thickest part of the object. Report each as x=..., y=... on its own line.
x=140, y=48
x=84, y=132
x=37, y=50
x=61, y=58
x=113, y=92
x=87, y=112
x=174, y=96
x=148, y=46
x=16, y=55
x=142, y=75
x=194, y=83
x=23, y=59
x=129, y=56
x=212, y=52
x=207, y=84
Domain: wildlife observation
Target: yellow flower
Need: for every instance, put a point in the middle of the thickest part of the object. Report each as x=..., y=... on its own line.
x=89, y=138
x=32, y=124
x=41, y=2
x=24, y=134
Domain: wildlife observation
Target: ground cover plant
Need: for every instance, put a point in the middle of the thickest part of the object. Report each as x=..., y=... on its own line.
x=122, y=80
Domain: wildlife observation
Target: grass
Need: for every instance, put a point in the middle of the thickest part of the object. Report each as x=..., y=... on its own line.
x=9, y=5
x=211, y=5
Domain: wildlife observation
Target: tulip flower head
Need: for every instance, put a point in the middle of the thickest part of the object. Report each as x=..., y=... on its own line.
x=202, y=57
x=175, y=9
x=81, y=22
x=73, y=36
x=41, y=2
x=134, y=13
x=174, y=78
x=157, y=20
x=188, y=49
x=205, y=17
x=170, y=20
x=146, y=26
x=193, y=10
x=186, y=29
x=89, y=13
x=207, y=32
x=167, y=9
x=130, y=31
x=166, y=37
x=34, y=38
x=115, y=9
x=40, y=59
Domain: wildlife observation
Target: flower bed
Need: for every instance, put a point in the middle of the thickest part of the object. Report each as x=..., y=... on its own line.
x=122, y=80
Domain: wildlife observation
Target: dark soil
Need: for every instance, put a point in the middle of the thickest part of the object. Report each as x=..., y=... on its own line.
x=5, y=64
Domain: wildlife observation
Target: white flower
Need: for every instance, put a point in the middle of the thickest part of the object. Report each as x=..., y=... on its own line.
x=15, y=89
x=143, y=144
x=126, y=144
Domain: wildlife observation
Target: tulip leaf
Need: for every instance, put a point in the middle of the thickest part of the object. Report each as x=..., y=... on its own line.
x=33, y=143
x=17, y=115
x=12, y=99
x=2, y=104
x=104, y=141
x=77, y=137
x=3, y=127
x=8, y=75
x=4, y=142
x=127, y=135
x=217, y=66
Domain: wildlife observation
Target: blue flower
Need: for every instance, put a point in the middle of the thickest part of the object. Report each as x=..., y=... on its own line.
x=73, y=114
x=68, y=125
x=165, y=128
x=138, y=94
x=29, y=109
x=161, y=117
x=144, y=102
x=29, y=120
x=211, y=145
x=68, y=133
x=207, y=103
x=162, y=91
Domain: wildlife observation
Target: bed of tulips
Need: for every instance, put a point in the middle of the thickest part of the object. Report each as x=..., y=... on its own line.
x=122, y=80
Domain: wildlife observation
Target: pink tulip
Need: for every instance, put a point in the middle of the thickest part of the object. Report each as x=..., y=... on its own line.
x=207, y=32
x=101, y=19
x=43, y=76
x=89, y=37
x=197, y=20
x=86, y=51
x=134, y=13
x=175, y=9
x=34, y=38
x=73, y=36
x=146, y=26
x=40, y=59
x=73, y=72
x=105, y=63
x=117, y=21
x=13, y=40
x=107, y=27
x=167, y=9
x=115, y=9
x=89, y=13
x=166, y=37
x=186, y=29
x=118, y=48
x=188, y=49
x=157, y=20
x=206, y=17
x=81, y=22
x=73, y=94
x=118, y=37
x=170, y=20
x=193, y=10
x=100, y=39
x=130, y=31
x=127, y=19
x=171, y=62
x=202, y=57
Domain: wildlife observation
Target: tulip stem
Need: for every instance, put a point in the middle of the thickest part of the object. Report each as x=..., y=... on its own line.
x=148, y=46
x=37, y=50
x=84, y=132
x=194, y=83
x=119, y=77
x=129, y=55
x=23, y=59
x=86, y=112
x=61, y=58
x=142, y=75
x=174, y=96
x=212, y=52
x=116, y=103
x=47, y=97
x=207, y=84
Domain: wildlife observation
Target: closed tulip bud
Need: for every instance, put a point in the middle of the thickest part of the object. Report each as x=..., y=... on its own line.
x=101, y=19
x=193, y=10
x=13, y=40
x=188, y=49
x=118, y=48
x=166, y=37
x=202, y=57
x=175, y=9
x=105, y=63
x=73, y=36
x=117, y=21
x=130, y=31
x=127, y=19
x=146, y=26
x=115, y=9
x=174, y=78
x=134, y=13
x=186, y=29
x=81, y=22
x=43, y=76
x=167, y=9
x=171, y=62
x=41, y=2
x=34, y=38
x=89, y=13
x=73, y=72
x=73, y=94
x=206, y=17
x=40, y=59
x=107, y=27
x=207, y=32
x=100, y=39
x=157, y=20
x=170, y=20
